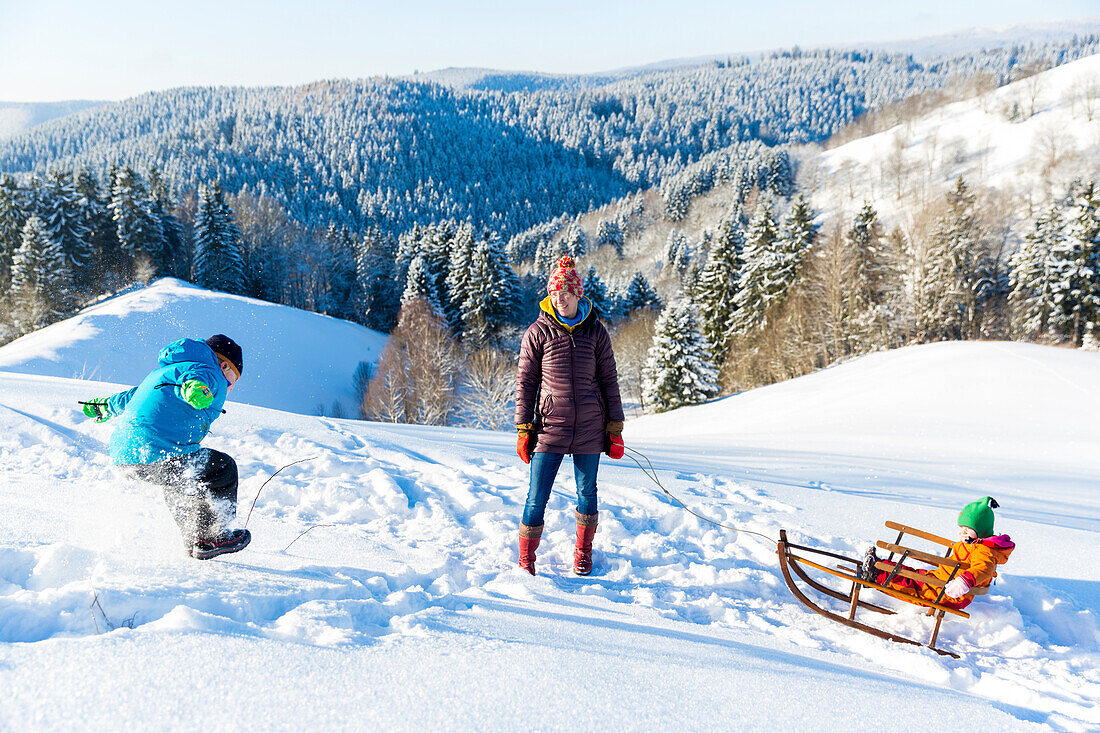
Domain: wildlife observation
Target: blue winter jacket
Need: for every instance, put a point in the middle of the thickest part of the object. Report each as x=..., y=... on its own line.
x=155, y=421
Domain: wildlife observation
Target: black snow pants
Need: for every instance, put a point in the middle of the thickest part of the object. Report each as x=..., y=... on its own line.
x=200, y=489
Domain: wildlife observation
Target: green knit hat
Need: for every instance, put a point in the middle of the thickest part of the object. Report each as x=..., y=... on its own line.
x=978, y=515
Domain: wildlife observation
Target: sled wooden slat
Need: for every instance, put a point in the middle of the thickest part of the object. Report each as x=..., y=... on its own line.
x=943, y=562
x=912, y=575
x=826, y=590
x=888, y=591
x=927, y=579
x=920, y=533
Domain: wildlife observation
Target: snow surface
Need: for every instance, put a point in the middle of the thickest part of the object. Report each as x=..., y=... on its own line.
x=401, y=608
x=974, y=138
x=293, y=359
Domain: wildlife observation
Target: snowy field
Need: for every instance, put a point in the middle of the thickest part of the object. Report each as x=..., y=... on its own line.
x=402, y=608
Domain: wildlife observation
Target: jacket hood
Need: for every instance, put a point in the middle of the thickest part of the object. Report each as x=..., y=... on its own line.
x=999, y=542
x=1001, y=545
x=188, y=350
x=584, y=309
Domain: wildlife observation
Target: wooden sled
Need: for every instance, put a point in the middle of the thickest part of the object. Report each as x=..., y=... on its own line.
x=796, y=565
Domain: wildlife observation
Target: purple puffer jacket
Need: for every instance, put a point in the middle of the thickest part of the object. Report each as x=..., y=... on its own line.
x=571, y=372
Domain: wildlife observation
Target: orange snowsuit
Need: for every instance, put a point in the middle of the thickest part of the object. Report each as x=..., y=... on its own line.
x=982, y=556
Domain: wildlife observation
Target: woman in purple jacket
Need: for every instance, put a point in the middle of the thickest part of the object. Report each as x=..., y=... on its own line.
x=567, y=401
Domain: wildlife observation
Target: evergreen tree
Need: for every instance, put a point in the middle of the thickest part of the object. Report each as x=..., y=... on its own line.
x=959, y=266
x=679, y=371
x=338, y=266
x=548, y=254
x=173, y=260
x=63, y=215
x=596, y=291
x=377, y=301
x=1077, y=267
x=139, y=230
x=219, y=264
x=12, y=220
x=41, y=282
x=418, y=284
x=797, y=236
x=576, y=242
x=460, y=270
x=758, y=285
x=491, y=291
x=107, y=258
x=677, y=251
x=873, y=268
x=1035, y=275
x=610, y=233
x=640, y=294
x=436, y=244
x=718, y=286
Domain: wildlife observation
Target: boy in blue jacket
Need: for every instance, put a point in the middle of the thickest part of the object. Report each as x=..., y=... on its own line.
x=163, y=420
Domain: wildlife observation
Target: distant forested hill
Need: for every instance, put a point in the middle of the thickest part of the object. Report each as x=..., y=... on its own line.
x=503, y=153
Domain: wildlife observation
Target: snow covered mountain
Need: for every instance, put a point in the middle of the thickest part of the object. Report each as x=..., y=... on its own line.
x=1028, y=139
x=294, y=360
x=400, y=607
x=15, y=117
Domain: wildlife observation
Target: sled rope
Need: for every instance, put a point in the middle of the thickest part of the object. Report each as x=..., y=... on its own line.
x=303, y=534
x=651, y=474
x=265, y=483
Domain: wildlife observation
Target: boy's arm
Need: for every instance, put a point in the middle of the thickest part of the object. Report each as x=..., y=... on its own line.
x=196, y=386
x=116, y=403
x=104, y=408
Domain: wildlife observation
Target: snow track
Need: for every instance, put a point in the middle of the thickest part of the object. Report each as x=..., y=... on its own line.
x=414, y=559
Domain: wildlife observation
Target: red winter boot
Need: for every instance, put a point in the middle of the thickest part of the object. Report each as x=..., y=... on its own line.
x=528, y=542
x=586, y=530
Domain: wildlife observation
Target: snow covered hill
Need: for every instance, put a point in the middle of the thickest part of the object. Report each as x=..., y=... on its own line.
x=15, y=117
x=401, y=608
x=1028, y=139
x=294, y=360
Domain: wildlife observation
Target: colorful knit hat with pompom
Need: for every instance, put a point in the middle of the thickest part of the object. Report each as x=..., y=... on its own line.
x=565, y=277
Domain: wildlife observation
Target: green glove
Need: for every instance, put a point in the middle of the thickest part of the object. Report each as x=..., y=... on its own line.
x=97, y=409
x=196, y=394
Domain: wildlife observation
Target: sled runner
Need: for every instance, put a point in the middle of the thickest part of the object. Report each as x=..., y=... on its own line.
x=796, y=565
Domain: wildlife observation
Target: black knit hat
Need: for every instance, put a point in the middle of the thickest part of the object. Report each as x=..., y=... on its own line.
x=228, y=349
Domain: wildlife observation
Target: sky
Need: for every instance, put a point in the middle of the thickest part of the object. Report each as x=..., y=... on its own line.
x=52, y=50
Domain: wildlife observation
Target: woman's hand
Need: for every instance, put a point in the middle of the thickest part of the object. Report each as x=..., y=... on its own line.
x=523, y=448
x=615, y=447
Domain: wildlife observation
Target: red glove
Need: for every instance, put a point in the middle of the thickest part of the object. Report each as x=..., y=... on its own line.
x=523, y=449
x=616, y=449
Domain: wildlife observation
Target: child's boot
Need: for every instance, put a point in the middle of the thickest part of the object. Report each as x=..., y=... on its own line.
x=867, y=570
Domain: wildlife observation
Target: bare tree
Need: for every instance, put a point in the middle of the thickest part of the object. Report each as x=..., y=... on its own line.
x=631, y=344
x=895, y=166
x=489, y=389
x=1033, y=88
x=1049, y=149
x=418, y=371
x=1085, y=95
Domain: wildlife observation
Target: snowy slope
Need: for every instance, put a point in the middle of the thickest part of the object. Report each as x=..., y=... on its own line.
x=401, y=608
x=976, y=139
x=294, y=360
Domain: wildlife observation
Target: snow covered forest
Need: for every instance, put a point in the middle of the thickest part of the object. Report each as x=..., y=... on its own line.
x=434, y=213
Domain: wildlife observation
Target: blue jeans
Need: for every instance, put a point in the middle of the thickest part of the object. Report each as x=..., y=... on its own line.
x=544, y=467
